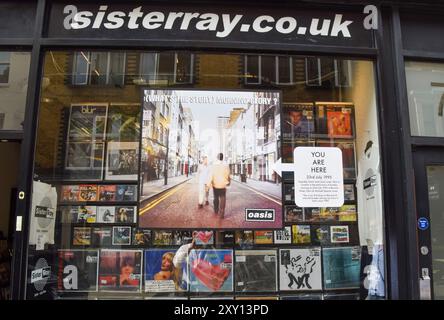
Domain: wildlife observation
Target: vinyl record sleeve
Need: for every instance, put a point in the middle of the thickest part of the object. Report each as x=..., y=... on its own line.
x=161, y=273
x=81, y=236
x=341, y=267
x=211, y=270
x=122, y=161
x=263, y=237
x=256, y=270
x=162, y=238
x=78, y=270
x=126, y=214
x=122, y=235
x=106, y=214
x=300, y=269
x=120, y=270
x=282, y=236
x=70, y=193
x=203, y=238
x=107, y=192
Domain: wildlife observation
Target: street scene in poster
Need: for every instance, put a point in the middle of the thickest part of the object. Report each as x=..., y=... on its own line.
x=207, y=157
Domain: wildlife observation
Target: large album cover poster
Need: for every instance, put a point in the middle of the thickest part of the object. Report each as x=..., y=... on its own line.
x=341, y=267
x=211, y=270
x=256, y=270
x=78, y=270
x=198, y=144
x=164, y=271
x=300, y=269
x=298, y=121
x=120, y=270
x=122, y=161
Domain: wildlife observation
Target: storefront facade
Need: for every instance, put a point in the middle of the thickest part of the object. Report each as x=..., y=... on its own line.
x=111, y=105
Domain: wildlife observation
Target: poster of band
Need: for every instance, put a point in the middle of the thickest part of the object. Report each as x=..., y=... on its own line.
x=211, y=270
x=300, y=269
x=206, y=149
x=77, y=270
x=166, y=270
x=256, y=270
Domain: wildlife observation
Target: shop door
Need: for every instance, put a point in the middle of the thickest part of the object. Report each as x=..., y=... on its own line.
x=9, y=160
x=429, y=181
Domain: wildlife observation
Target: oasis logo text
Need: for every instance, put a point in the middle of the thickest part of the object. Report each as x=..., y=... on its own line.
x=259, y=214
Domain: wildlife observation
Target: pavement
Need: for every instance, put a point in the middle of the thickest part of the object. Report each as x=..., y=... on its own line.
x=153, y=188
x=178, y=208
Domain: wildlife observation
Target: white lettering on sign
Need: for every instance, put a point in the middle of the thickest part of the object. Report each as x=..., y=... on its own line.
x=222, y=24
x=318, y=177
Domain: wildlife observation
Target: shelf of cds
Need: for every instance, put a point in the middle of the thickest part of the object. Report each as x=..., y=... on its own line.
x=102, y=253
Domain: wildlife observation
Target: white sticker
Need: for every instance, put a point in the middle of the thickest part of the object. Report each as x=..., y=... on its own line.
x=241, y=259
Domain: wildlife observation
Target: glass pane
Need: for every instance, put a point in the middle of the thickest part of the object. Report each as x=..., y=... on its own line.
x=127, y=176
x=435, y=183
x=183, y=67
x=166, y=67
x=81, y=65
x=425, y=86
x=99, y=71
x=117, y=68
x=285, y=69
x=268, y=69
x=14, y=69
x=148, y=66
x=252, y=70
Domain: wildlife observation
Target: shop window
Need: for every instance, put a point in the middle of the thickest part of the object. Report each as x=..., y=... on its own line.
x=284, y=67
x=342, y=73
x=14, y=69
x=125, y=179
x=425, y=87
x=327, y=72
x=98, y=68
x=313, y=71
x=166, y=68
x=263, y=69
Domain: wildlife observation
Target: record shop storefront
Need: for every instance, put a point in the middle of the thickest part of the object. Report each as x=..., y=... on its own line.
x=174, y=150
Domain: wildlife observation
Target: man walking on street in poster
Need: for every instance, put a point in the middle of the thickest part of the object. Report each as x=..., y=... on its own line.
x=204, y=171
x=219, y=179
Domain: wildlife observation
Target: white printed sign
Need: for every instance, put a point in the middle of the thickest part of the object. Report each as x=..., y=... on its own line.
x=318, y=177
